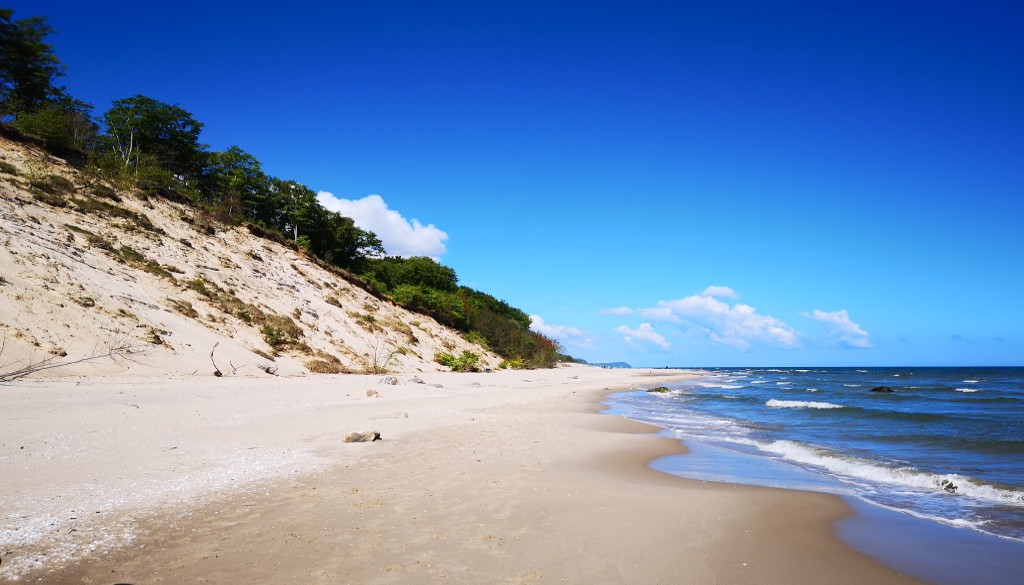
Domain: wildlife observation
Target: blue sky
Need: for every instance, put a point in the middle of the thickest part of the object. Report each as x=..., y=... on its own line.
x=664, y=183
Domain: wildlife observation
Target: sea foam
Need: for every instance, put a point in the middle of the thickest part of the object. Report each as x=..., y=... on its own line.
x=911, y=477
x=773, y=403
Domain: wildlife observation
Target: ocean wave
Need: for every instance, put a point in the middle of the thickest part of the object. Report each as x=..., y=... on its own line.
x=800, y=404
x=853, y=385
x=783, y=383
x=713, y=385
x=968, y=390
x=862, y=469
x=759, y=382
x=812, y=389
x=970, y=381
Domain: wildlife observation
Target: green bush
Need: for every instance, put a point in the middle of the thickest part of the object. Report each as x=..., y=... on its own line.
x=466, y=362
x=512, y=364
x=52, y=184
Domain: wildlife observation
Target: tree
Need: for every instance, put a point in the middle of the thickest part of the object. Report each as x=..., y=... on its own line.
x=234, y=182
x=395, y=271
x=141, y=125
x=28, y=66
x=300, y=208
x=63, y=119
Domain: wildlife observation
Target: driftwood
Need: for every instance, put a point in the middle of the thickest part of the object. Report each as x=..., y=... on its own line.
x=362, y=437
x=122, y=347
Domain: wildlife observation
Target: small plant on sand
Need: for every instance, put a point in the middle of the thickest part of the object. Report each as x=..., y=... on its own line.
x=262, y=354
x=382, y=358
x=154, y=337
x=325, y=367
x=184, y=307
x=86, y=301
x=280, y=331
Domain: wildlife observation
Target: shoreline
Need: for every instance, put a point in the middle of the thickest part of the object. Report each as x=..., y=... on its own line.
x=519, y=482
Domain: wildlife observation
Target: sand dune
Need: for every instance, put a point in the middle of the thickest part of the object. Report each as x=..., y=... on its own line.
x=173, y=285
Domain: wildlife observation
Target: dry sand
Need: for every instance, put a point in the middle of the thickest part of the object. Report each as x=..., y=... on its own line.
x=507, y=477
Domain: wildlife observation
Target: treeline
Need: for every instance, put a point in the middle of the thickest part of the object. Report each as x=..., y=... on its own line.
x=144, y=144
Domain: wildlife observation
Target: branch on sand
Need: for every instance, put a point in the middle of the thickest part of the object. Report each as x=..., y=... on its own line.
x=121, y=347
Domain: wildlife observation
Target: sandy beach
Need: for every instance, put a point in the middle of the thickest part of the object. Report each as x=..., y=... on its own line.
x=506, y=477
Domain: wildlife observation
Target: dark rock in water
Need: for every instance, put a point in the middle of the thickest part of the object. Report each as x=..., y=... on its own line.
x=882, y=389
x=948, y=486
x=658, y=390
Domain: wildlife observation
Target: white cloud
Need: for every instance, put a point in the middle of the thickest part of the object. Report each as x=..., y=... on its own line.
x=720, y=292
x=399, y=236
x=738, y=326
x=563, y=333
x=617, y=311
x=841, y=328
x=643, y=333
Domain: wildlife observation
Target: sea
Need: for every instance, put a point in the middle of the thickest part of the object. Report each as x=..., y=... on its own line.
x=946, y=445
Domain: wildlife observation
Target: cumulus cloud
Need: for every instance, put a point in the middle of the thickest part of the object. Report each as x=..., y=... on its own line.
x=643, y=333
x=841, y=328
x=563, y=333
x=400, y=236
x=617, y=311
x=720, y=292
x=738, y=326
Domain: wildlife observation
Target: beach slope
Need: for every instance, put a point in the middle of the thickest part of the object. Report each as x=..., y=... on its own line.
x=508, y=477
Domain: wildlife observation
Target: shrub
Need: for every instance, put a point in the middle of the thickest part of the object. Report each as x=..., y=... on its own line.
x=466, y=362
x=280, y=331
x=86, y=301
x=325, y=367
x=477, y=338
x=515, y=363
x=184, y=307
x=52, y=184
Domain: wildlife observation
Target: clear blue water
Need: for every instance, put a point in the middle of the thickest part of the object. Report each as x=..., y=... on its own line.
x=946, y=445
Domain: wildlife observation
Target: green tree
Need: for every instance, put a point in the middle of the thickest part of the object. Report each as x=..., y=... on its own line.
x=235, y=184
x=394, y=271
x=300, y=208
x=63, y=119
x=28, y=66
x=141, y=125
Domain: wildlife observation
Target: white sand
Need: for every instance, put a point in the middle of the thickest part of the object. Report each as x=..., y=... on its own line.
x=82, y=459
